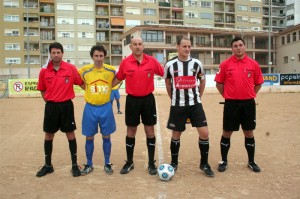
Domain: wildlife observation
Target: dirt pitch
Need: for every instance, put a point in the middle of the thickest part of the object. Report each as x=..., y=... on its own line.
x=277, y=152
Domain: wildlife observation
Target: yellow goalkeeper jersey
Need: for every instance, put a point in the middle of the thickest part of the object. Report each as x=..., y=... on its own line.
x=98, y=83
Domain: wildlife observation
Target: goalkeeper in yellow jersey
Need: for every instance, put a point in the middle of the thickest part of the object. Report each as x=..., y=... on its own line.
x=98, y=79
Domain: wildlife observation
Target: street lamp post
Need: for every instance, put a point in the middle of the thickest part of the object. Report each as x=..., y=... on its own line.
x=292, y=60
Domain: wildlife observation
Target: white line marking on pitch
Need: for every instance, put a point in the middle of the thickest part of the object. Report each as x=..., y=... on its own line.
x=162, y=189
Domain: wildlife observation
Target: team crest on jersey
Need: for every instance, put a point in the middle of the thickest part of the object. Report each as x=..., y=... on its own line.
x=149, y=75
x=249, y=74
x=66, y=80
x=106, y=76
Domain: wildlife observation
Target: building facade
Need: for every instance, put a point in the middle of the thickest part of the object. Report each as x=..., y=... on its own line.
x=29, y=26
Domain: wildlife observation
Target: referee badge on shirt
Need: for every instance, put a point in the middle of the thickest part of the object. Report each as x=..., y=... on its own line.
x=249, y=74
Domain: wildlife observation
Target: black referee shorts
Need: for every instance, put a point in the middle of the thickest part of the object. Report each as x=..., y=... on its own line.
x=59, y=116
x=239, y=112
x=137, y=108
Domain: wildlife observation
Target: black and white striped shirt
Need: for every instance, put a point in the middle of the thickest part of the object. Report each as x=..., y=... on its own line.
x=184, y=76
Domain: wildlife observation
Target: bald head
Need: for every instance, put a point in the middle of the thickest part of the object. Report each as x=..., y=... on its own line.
x=136, y=40
x=137, y=47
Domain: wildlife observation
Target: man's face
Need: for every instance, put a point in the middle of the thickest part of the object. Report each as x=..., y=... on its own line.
x=184, y=48
x=238, y=49
x=98, y=58
x=56, y=55
x=137, y=47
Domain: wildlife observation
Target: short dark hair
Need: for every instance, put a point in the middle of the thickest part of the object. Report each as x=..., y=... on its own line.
x=99, y=48
x=56, y=45
x=237, y=39
x=180, y=38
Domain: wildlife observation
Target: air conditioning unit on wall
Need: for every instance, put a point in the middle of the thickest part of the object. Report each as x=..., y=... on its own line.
x=255, y=28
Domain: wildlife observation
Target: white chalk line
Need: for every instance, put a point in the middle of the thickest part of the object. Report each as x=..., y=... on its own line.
x=162, y=189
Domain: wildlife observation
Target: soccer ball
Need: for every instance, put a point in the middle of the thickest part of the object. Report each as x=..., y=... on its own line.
x=165, y=172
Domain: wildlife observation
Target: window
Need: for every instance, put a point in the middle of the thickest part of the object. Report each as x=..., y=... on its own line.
x=11, y=32
x=65, y=6
x=168, y=39
x=285, y=59
x=133, y=22
x=85, y=21
x=255, y=9
x=200, y=40
x=207, y=71
x=149, y=22
x=294, y=36
x=298, y=57
x=288, y=39
x=69, y=47
x=85, y=35
x=242, y=18
x=282, y=40
x=190, y=15
x=65, y=20
x=149, y=1
x=10, y=4
x=149, y=11
x=11, y=18
x=65, y=34
x=13, y=60
x=84, y=61
x=133, y=11
x=255, y=20
x=290, y=17
x=192, y=3
x=69, y=60
x=84, y=48
x=152, y=36
x=85, y=7
x=12, y=46
x=206, y=16
x=206, y=4
x=242, y=8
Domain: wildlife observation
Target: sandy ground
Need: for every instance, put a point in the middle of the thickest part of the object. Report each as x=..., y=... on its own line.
x=277, y=153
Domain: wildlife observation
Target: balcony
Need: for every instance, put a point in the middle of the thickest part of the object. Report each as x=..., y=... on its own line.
x=164, y=4
x=102, y=1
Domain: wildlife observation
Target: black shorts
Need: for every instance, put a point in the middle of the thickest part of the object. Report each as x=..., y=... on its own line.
x=179, y=115
x=59, y=116
x=140, y=107
x=239, y=112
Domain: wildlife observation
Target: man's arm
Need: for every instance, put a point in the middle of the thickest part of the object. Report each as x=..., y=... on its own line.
x=168, y=87
x=220, y=88
x=82, y=86
x=115, y=82
x=202, y=86
x=257, y=88
x=43, y=95
x=120, y=84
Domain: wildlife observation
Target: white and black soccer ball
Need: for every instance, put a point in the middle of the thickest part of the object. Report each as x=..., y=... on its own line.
x=165, y=172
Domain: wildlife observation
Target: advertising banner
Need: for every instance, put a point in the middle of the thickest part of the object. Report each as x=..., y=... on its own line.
x=271, y=79
x=28, y=87
x=289, y=79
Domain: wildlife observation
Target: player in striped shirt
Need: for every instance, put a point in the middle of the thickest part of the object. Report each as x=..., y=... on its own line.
x=182, y=74
x=98, y=79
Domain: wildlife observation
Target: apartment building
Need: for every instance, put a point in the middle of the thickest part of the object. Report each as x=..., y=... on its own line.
x=210, y=45
x=29, y=26
x=288, y=50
